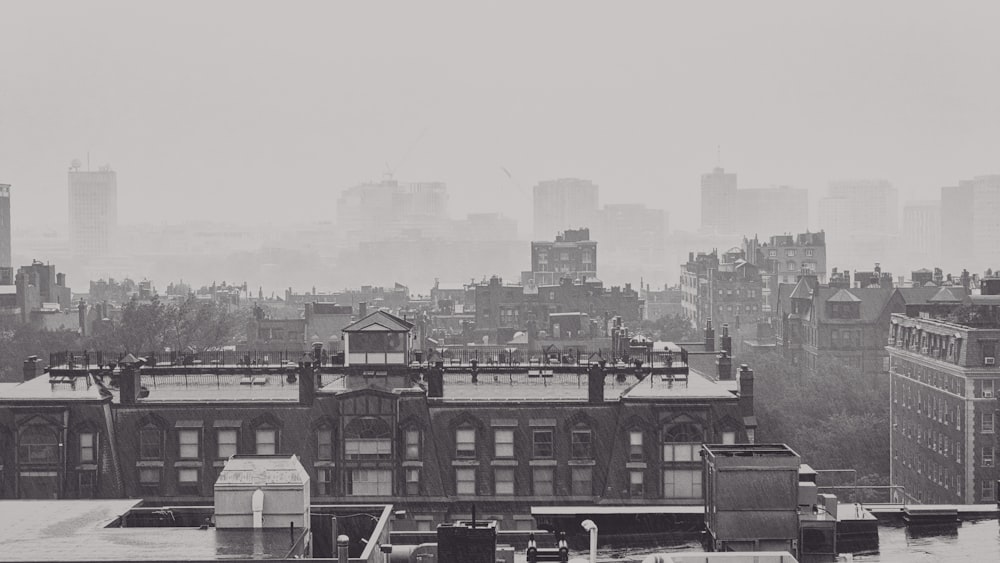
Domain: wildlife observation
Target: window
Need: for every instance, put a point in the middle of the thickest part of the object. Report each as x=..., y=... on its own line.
x=790, y=252
x=188, y=441
x=582, y=481
x=790, y=266
x=465, y=442
x=465, y=480
x=187, y=476
x=580, y=442
x=266, y=441
x=412, y=481
x=88, y=448
x=773, y=253
x=503, y=481
x=411, y=439
x=368, y=439
x=986, y=425
x=729, y=437
x=86, y=481
x=809, y=252
x=324, y=481
x=987, y=458
x=38, y=444
x=542, y=481
x=682, y=442
x=987, y=491
x=541, y=443
x=503, y=443
x=324, y=443
x=149, y=476
x=225, y=443
x=682, y=483
x=636, y=484
x=635, y=451
x=369, y=482
x=150, y=443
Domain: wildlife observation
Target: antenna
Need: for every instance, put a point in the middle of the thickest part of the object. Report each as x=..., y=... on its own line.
x=88, y=161
x=718, y=156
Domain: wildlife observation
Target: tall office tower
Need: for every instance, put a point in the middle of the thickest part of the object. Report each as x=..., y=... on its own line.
x=564, y=204
x=770, y=210
x=93, y=211
x=6, y=273
x=970, y=226
x=718, y=200
x=861, y=220
x=377, y=211
x=921, y=240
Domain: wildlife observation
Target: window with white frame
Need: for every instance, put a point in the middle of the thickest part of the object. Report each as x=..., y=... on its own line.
x=324, y=443
x=503, y=481
x=368, y=439
x=465, y=480
x=88, y=447
x=682, y=483
x=324, y=481
x=187, y=476
x=503, y=443
x=682, y=442
x=369, y=482
x=986, y=423
x=582, y=481
x=411, y=439
x=635, y=449
x=225, y=442
x=150, y=442
x=188, y=440
x=542, y=444
x=412, y=481
x=987, y=456
x=266, y=440
x=465, y=442
x=581, y=443
x=542, y=481
x=636, y=483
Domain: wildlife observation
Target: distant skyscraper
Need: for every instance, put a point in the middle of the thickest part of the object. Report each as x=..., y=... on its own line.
x=970, y=224
x=564, y=204
x=861, y=220
x=6, y=273
x=771, y=210
x=377, y=211
x=718, y=198
x=93, y=211
x=921, y=241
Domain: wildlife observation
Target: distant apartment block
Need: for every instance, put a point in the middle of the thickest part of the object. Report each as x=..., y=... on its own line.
x=723, y=290
x=563, y=204
x=633, y=242
x=727, y=209
x=377, y=211
x=6, y=273
x=42, y=296
x=944, y=382
x=861, y=220
x=970, y=227
x=921, y=232
x=571, y=255
x=93, y=211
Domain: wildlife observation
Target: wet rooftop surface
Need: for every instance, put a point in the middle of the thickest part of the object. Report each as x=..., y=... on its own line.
x=74, y=530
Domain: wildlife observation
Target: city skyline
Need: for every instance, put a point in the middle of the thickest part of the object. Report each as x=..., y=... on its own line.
x=658, y=99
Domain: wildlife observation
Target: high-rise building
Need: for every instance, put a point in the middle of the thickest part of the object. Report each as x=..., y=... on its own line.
x=770, y=210
x=93, y=211
x=378, y=211
x=921, y=240
x=718, y=198
x=6, y=272
x=564, y=204
x=970, y=225
x=860, y=218
x=634, y=240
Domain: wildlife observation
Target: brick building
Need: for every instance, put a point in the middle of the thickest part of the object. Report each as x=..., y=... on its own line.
x=572, y=255
x=726, y=291
x=434, y=440
x=943, y=389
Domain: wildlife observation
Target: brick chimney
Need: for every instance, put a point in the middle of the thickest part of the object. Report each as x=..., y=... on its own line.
x=709, y=336
x=32, y=368
x=435, y=381
x=128, y=385
x=725, y=366
x=362, y=310
x=307, y=384
x=595, y=384
x=746, y=391
x=726, y=341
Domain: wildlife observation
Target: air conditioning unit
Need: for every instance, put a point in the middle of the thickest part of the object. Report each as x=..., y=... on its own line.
x=989, y=360
x=987, y=394
x=891, y=342
x=925, y=350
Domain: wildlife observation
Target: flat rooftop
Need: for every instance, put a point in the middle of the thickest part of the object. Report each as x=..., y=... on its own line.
x=76, y=530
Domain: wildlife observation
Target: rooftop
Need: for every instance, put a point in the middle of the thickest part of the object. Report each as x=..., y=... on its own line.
x=76, y=530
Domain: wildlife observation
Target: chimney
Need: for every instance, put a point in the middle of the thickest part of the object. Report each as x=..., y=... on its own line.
x=32, y=368
x=82, y=315
x=128, y=385
x=61, y=280
x=307, y=384
x=726, y=341
x=362, y=310
x=725, y=366
x=709, y=336
x=435, y=381
x=746, y=391
x=595, y=384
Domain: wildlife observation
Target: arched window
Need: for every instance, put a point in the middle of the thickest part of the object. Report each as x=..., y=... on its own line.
x=368, y=438
x=681, y=442
x=38, y=444
x=324, y=442
x=150, y=442
x=581, y=441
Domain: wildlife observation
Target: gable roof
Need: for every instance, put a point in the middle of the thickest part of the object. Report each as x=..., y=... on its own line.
x=379, y=321
x=844, y=296
x=932, y=294
x=802, y=290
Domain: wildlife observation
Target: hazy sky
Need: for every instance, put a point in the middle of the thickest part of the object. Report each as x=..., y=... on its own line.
x=267, y=111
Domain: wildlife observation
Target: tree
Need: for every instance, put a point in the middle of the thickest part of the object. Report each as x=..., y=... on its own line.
x=18, y=341
x=673, y=328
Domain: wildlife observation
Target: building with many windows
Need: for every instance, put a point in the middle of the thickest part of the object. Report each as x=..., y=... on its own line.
x=727, y=290
x=93, y=211
x=572, y=255
x=436, y=440
x=565, y=203
x=944, y=384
